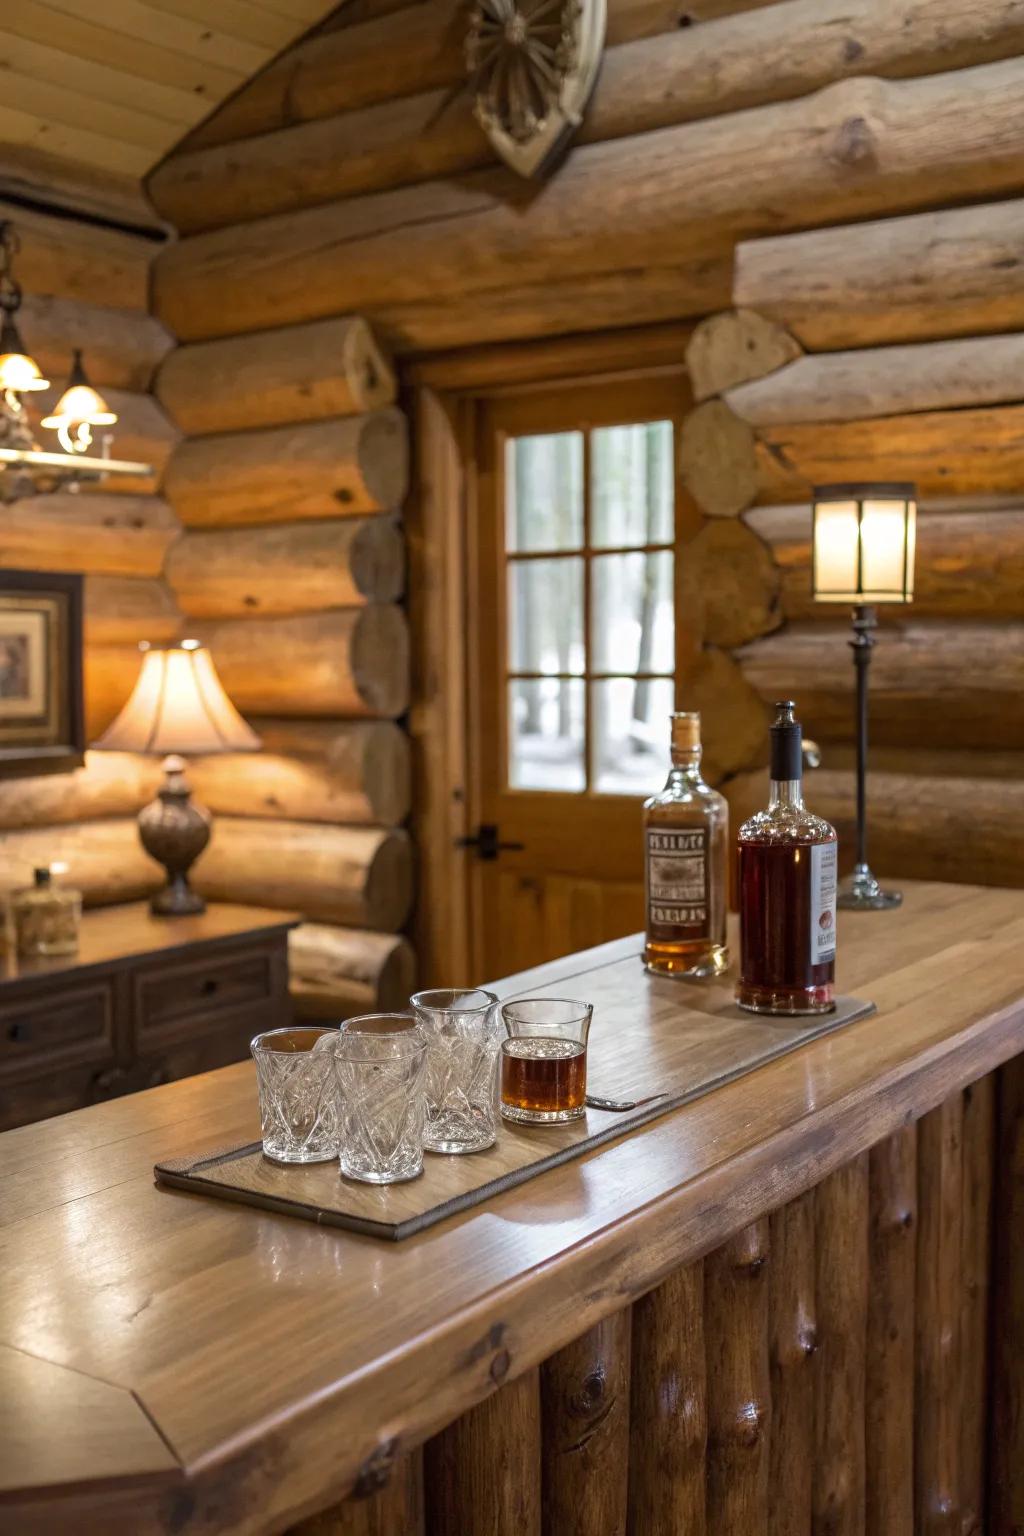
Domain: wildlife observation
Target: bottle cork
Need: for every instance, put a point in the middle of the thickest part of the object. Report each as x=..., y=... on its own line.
x=685, y=730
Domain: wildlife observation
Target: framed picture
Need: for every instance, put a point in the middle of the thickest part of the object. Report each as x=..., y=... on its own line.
x=42, y=726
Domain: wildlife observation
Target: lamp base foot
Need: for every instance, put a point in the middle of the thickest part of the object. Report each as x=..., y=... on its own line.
x=861, y=892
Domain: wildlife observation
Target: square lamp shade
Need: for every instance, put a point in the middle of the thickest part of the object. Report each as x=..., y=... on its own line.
x=863, y=539
x=178, y=705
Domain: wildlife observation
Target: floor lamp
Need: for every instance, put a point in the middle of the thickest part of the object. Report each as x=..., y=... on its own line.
x=862, y=553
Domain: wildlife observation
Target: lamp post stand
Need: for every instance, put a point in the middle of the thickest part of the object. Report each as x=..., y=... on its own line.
x=861, y=892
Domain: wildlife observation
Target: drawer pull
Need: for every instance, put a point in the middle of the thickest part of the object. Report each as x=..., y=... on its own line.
x=22, y=1030
x=210, y=986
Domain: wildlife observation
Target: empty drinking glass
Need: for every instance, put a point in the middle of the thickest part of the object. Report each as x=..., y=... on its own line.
x=463, y=1038
x=379, y=1059
x=298, y=1093
x=544, y=1060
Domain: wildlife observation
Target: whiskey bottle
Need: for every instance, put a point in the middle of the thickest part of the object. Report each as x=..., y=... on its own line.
x=686, y=834
x=787, y=891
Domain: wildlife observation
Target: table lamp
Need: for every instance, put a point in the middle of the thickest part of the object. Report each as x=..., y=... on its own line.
x=178, y=706
x=862, y=553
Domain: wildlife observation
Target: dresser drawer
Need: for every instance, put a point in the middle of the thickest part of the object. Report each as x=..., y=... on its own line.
x=170, y=994
x=69, y=1028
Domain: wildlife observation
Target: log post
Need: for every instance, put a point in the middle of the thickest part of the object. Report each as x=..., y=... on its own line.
x=1006, y=1434
x=313, y=770
x=333, y=367
x=287, y=568
x=841, y=1266
x=937, y=1394
x=341, y=467
x=394, y=1510
x=345, y=661
x=337, y=972
x=978, y=1182
x=727, y=349
x=584, y=1394
x=668, y=1409
x=739, y=1386
x=890, y=1403
x=482, y=1475
x=792, y=1344
x=357, y=876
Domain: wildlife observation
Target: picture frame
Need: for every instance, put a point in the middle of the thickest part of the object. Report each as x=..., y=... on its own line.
x=42, y=719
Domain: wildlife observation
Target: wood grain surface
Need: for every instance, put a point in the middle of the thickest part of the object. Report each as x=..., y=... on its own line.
x=285, y=1365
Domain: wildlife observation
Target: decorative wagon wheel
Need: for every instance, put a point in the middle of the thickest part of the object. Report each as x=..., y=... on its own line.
x=532, y=67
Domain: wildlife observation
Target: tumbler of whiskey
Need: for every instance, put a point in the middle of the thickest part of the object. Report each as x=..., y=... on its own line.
x=544, y=1060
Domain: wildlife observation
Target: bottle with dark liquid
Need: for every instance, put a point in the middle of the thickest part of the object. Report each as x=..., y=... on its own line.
x=787, y=891
x=686, y=837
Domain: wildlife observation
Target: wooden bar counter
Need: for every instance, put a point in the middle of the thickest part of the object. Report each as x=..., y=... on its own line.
x=794, y=1306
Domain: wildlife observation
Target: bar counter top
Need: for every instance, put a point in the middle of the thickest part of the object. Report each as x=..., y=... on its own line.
x=170, y=1363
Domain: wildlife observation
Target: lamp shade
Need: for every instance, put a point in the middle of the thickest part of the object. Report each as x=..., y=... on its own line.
x=178, y=705
x=863, y=539
x=79, y=409
x=19, y=372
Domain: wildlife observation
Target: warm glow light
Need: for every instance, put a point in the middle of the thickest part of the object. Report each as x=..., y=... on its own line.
x=178, y=705
x=864, y=539
x=19, y=374
x=79, y=409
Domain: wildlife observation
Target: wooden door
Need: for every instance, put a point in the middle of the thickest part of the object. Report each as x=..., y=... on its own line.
x=574, y=577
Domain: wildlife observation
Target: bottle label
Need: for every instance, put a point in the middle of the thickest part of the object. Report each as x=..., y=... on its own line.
x=824, y=870
x=677, y=877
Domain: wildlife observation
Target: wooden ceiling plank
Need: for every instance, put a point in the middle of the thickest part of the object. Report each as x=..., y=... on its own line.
x=306, y=12
x=72, y=143
x=196, y=40
x=64, y=107
x=236, y=18
x=42, y=23
x=40, y=61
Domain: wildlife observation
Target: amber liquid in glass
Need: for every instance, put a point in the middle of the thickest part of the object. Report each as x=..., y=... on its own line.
x=544, y=1076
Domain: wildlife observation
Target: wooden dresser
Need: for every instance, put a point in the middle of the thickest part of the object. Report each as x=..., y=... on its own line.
x=145, y=1001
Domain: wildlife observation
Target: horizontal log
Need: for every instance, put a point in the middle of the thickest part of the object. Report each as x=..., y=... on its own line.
x=885, y=381
x=104, y=859
x=358, y=876
x=36, y=176
x=968, y=563
x=337, y=972
x=944, y=453
x=287, y=567
x=109, y=674
x=130, y=609
x=856, y=148
x=928, y=679
x=680, y=75
x=331, y=468
x=109, y=784
x=952, y=273
x=414, y=48
x=346, y=661
x=730, y=584
x=142, y=434
x=77, y=259
x=310, y=770
x=298, y=373
x=557, y=357
x=121, y=347
x=126, y=535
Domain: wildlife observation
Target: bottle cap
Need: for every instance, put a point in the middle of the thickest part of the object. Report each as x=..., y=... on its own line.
x=41, y=876
x=787, y=744
x=685, y=730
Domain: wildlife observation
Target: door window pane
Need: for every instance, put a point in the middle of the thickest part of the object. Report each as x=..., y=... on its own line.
x=546, y=734
x=545, y=615
x=632, y=485
x=630, y=726
x=632, y=613
x=544, y=503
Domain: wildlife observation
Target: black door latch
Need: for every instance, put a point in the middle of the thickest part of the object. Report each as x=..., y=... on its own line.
x=486, y=840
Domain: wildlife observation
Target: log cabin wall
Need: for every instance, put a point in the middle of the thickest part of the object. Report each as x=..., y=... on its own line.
x=87, y=285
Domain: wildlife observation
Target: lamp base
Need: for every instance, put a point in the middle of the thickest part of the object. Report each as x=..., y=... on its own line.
x=861, y=892
x=174, y=831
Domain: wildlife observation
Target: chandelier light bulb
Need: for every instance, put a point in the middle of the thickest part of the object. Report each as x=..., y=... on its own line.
x=79, y=409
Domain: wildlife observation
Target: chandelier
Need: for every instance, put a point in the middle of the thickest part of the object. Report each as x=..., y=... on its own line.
x=26, y=466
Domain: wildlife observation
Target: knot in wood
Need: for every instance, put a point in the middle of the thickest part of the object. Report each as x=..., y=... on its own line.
x=745, y=1429
x=375, y=1472
x=854, y=144
x=500, y=1366
x=591, y=1394
x=808, y=1340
